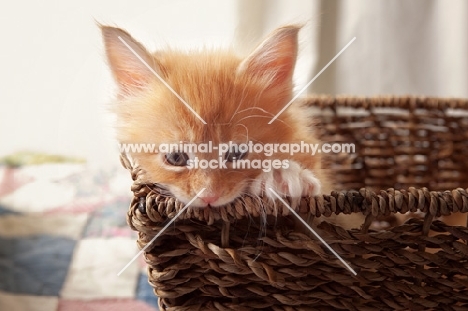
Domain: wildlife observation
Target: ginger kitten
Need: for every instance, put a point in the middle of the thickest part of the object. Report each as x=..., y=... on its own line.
x=236, y=97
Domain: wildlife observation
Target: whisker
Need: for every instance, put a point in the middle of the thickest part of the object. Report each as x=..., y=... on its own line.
x=252, y=116
x=246, y=130
x=244, y=95
x=253, y=108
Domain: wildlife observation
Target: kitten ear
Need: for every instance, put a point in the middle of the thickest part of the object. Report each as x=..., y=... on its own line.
x=129, y=71
x=274, y=59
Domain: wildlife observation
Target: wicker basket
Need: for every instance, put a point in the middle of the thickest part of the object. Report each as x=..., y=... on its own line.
x=229, y=259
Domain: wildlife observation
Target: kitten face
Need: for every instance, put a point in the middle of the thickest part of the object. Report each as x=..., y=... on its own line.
x=236, y=97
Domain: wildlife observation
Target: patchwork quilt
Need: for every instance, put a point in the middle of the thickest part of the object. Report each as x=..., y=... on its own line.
x=64, y=238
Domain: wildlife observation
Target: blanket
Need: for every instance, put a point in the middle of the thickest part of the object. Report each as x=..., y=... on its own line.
x=64, y=238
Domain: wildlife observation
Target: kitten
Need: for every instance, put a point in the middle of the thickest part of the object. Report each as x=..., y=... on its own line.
x=236, y=97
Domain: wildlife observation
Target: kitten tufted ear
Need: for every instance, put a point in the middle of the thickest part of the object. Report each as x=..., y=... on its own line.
x=129, y=71
x=274, y=59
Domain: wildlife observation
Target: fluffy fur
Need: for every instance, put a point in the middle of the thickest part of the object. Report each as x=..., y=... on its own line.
x=236, y=97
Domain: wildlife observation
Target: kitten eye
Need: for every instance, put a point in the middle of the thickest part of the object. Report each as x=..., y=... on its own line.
x=234, y=154
x=177, y=158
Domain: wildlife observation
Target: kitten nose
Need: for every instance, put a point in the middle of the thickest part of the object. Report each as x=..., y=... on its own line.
x=209, y=200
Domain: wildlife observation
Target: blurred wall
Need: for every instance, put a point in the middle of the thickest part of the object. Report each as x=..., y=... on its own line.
x=54, y=83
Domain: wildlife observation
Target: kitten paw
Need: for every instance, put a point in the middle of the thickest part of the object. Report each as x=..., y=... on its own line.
x=294, y=182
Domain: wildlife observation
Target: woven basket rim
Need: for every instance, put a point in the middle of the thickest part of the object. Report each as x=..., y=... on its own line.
x=387, y=101
x=369, y=203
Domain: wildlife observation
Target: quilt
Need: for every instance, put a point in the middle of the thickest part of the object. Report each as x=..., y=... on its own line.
x=64, y=238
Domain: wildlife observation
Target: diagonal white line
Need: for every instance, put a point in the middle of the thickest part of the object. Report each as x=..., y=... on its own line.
x=162, y=80
x=313, y=79
x=161, y=231
x=315, y=233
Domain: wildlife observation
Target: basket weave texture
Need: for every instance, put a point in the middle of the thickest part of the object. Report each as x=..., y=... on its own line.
x=232, y=258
